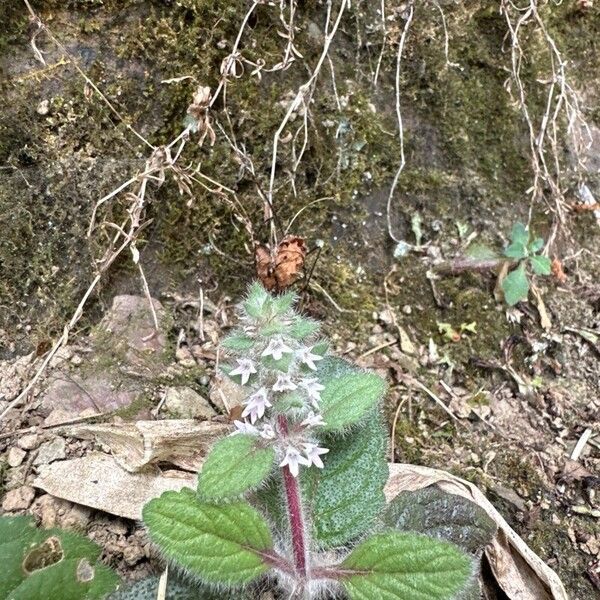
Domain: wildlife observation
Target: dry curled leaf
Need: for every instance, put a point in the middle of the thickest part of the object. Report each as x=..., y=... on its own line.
x=278, y=268
x=183, y=442
x=557, y=270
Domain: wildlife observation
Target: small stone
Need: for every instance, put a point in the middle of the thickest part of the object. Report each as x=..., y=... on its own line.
x=132, y=554
x=15, y=456
x=76, y=360
x=50, y=451
x=43, y=108
x=29, y=441
x=184, y=357
x=185, y=403
x=19, y=499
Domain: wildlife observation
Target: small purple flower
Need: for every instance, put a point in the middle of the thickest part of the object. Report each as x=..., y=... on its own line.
x=308, y=358
x=293, y=459
x=244, y=427
x=267, y=432
x=313, y=453
x=245, y=368
x=256, y=405
x=313, y=420
x=284, y=383
x=276, y=348
x=313, y=389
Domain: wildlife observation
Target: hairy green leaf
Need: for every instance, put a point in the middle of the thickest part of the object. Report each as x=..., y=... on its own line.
x=519, y=234
x=177, y=589
x=346, y=497
x=536, y=245
x=257, y=300
x=516, y=286
x=239, y=342
x=516, y=251
x=405, y=566
x=39, y=564
x=541, y=265
x=441, y=515
x=229, y=544
x=302, y=328
x=283, y=303
x=235, y=465
x=347, y=398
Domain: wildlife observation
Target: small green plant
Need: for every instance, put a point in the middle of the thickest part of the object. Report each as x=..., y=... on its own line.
x=295, y=495
x=38, y=564
x=516, y=284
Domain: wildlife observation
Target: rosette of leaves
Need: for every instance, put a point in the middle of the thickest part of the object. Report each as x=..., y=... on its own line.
x=526, y=251
x=295, y=495
x=38, y=564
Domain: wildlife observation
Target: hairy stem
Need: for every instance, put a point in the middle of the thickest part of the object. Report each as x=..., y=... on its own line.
x=294, y=510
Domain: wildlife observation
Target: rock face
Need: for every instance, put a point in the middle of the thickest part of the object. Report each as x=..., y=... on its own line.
x=185, y=403
x=18, y=499
x=124, y=351
x=51, y=451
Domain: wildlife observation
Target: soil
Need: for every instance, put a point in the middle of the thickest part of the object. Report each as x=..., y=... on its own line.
x=521, y=395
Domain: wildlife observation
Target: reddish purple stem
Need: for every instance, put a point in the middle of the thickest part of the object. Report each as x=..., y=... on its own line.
x=294, y=508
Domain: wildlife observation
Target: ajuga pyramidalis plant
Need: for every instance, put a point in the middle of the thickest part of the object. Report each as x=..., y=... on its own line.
x=295, y=494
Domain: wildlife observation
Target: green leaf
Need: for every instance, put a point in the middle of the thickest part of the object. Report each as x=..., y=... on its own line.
x=283, y=364
x=235, y=465
x=519, y=234
x=519, y=238
x=39, y=564
x=177, y=589
x=516, y=286
x=239, y=342
x=272, y=328
x=257, y=302
x=441, y=515
x=347, y=495
x=405, y=566
x=228, y=544
x=347, y=398
x=536, y=245
x=516, y=251
x=541, y=265
x=302, y=328
x=70, y=579
x=283, y=303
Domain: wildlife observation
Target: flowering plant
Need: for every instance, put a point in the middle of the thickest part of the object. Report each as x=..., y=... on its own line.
x=296, y=491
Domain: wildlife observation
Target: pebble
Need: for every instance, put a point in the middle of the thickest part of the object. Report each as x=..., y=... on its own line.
x=19, y=499
x=50, y=451
x=29, y=441
x=15, y=456
x=43, y=108
x=185, y=358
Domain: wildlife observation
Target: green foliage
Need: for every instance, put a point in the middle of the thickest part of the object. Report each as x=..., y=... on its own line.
x=405, y=566
x=236, y=465
x=221, y=544
x=238, y=341
x=39, y=564
x=318, y=417
x=347, y=398
x=347, y=496
x=177, y=589
x=516, y=284
x=441, y=515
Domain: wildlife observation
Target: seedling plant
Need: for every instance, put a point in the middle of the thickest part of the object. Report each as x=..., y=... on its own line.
x=294, y=497
x=526, y=251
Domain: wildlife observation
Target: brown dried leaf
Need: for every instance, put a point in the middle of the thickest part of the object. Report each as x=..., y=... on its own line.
x=279, y=268
x=182, y=442
x=96, y=481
